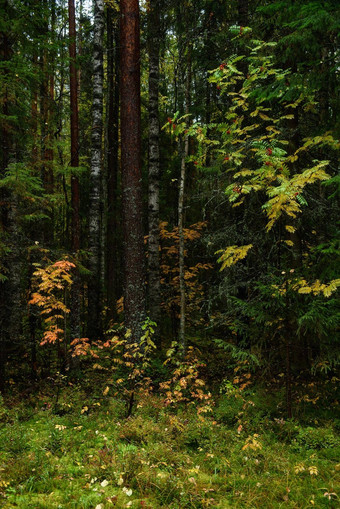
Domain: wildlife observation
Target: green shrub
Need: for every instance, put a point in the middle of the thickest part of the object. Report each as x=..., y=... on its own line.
x=316, y=438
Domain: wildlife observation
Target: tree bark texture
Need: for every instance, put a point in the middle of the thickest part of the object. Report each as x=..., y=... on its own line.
x=181, y=209
x=185, y=152
x=134, y=298
x=154, y=286
x=113, y=262
x=6, y=152
x=75, y=197
x=74, y=128
x=94, y=288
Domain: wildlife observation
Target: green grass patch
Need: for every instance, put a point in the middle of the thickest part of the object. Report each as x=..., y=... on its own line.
x=83, y=453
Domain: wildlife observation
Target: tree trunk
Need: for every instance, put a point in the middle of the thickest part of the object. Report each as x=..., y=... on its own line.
x=94, y=288
x=154, y=287
x=47, y=113
x=185, y=153
x=112, y=242
x=75, y=221
x=134, y=298
x=5, y=150
x=74, y=128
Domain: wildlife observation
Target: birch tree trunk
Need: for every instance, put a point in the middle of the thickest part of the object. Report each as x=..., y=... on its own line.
x=94, y=287
x=185, y=153
x=154, y=287
x=134, y=298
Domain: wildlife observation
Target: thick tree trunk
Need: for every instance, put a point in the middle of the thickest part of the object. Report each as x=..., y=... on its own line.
x=113, y=263
x=94, y=288
x=134, y=298
x=75, y=198
x=154, y=289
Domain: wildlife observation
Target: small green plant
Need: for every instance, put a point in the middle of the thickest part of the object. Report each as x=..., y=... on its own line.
x=130, y=364
x=315, y=438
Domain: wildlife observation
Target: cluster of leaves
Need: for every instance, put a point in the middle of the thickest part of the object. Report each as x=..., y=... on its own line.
x=52, y=284
x=169, y=240
x=185, y=384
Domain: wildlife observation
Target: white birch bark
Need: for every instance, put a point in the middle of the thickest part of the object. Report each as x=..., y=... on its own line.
x=185, y=153
x=154, y=287
x=96, y=173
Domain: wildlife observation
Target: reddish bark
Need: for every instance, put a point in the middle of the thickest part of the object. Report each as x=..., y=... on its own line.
x=134, y=299
x=113, y=257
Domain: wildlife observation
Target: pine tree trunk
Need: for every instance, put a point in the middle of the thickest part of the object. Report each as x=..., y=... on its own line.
x=75, y=198
x=154, y=287
x=113, y=263
x=94, y=287
x=134, y=298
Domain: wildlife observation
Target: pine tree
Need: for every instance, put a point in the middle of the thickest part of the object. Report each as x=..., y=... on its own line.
x=134, y=298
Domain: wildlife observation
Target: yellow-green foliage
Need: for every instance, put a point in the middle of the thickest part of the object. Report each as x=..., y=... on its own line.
x=232, y=255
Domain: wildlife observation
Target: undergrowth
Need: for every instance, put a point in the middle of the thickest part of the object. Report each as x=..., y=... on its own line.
x=83, y=452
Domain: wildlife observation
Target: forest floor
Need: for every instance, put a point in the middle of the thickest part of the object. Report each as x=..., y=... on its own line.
x=82, y=452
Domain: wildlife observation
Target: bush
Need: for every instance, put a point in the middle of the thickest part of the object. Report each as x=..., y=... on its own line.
x=316, y=438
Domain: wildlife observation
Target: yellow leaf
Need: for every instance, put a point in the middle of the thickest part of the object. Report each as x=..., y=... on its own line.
x=305, y=289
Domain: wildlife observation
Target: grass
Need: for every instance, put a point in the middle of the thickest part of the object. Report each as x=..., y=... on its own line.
x=83, y=453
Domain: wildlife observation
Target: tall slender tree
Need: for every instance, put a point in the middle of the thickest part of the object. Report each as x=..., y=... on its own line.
x=134, y=291
x=154, y=162
x=5, y=48
x=74, y=127
x=94, y=287
x=112, y=262
x=75, y=197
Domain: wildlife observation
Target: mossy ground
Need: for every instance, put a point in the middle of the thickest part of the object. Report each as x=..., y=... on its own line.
x=83, y=453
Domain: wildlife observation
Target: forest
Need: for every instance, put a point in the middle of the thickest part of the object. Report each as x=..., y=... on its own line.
x=169, y=254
